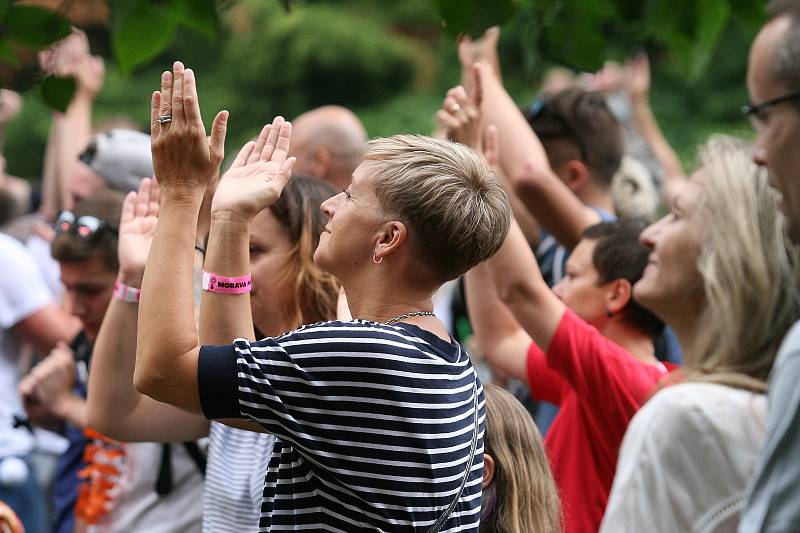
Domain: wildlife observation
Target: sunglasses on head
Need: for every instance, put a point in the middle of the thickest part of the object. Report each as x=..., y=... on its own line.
x=85, y=227
x=540, y=109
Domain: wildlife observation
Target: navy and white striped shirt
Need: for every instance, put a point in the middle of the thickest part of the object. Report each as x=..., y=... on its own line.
x=373, y=423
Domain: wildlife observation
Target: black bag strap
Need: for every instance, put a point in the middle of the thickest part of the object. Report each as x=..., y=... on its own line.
x=193, y=450
x=164, y=478
x=447, y=512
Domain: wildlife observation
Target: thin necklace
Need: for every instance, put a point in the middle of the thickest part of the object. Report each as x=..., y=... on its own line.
x=398, y=318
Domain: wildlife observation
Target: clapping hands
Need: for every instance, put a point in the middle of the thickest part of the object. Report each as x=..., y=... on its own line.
x=257, y=176
x=184, y=160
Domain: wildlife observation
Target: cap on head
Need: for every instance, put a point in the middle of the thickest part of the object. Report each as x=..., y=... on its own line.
x=121, y=157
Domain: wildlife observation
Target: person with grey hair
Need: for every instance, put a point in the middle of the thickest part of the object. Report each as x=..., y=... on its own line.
x=773, y=80
x=378, y=420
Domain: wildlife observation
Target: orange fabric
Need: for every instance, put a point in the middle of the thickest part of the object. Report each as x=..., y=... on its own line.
x=104, y=458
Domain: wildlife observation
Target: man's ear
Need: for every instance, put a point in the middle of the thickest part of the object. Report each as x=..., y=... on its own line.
x=391, y=236
x=576, y=174
x=322, y=162
x=619, y=294
x=488, y=470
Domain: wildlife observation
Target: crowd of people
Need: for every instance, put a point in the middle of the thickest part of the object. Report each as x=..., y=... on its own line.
x=274, y=346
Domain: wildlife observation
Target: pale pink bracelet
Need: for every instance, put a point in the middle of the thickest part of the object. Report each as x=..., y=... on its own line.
x=216, y=283
x=126, y=293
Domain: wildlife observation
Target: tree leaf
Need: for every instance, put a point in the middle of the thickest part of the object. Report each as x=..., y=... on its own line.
x=200, y=15
x=7, y=54
x=575, y=37
x=35, y=27
x=473, y=17
x=712, y=17
x=58, y=92
x=750, y=12
x=140, y=32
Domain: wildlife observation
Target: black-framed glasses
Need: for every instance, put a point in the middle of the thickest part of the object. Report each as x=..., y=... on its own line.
x=540, y=109
x=757, y=113
x=86, y=227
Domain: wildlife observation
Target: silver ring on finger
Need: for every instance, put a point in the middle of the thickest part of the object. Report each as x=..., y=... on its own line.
x=164, y=119
x=455, y=108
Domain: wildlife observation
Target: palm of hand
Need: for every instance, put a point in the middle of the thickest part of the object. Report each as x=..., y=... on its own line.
x=258, y=175
x=249, y=189
x=135, y=237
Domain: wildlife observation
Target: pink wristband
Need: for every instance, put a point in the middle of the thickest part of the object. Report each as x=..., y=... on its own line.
x=126, y=293
x=216, y=283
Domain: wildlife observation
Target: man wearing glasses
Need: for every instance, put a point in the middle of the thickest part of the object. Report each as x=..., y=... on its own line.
x=773, y=79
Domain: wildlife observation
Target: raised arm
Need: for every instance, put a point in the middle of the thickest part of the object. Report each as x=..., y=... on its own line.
x=525, y=163
x=499, y=337
x=638, y=85
x=70, y=131
x=225, y=317
x=115, y=408
x=521, y=287
x=514, y=268
x=184, y=161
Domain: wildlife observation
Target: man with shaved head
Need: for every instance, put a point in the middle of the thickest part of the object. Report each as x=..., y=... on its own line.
x=327, y=142
x=773, y=80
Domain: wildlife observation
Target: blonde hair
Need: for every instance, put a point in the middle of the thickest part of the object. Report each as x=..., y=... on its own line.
x=527, y=497
x=456, y=210
x=748, y=266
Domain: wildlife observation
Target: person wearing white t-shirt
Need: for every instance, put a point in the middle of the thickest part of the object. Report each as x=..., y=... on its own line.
x=27, y=314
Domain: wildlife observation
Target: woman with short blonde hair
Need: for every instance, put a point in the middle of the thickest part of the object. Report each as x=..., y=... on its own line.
x=379, y=420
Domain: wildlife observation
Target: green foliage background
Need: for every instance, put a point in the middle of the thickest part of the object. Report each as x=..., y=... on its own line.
x=389, y=61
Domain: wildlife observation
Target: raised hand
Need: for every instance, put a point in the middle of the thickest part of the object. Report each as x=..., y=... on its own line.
x=184, y=160
x=258, y=175
x=10, y=105
x=460, y=116
x=481, y=50
x=136, y=228
x=637, y=77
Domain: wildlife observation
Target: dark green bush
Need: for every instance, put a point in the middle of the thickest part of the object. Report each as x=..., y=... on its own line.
x=315, y=55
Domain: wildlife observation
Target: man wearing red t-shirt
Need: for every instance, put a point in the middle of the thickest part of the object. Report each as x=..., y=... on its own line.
x=585, y=345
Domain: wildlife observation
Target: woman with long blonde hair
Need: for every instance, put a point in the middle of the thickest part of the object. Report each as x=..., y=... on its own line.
x=722, y=275
x=520, y=494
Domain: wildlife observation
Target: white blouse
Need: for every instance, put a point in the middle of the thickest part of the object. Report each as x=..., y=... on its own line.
x=686, y=460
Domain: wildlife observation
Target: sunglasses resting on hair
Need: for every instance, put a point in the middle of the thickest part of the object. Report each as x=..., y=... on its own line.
x=85, y=227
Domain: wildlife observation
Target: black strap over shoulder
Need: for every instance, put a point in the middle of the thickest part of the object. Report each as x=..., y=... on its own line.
x=447, y=512
x=164, y=479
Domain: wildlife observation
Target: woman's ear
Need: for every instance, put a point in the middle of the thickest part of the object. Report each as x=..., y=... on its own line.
x=488, y=470
x=391, y=237
x=619, y=294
